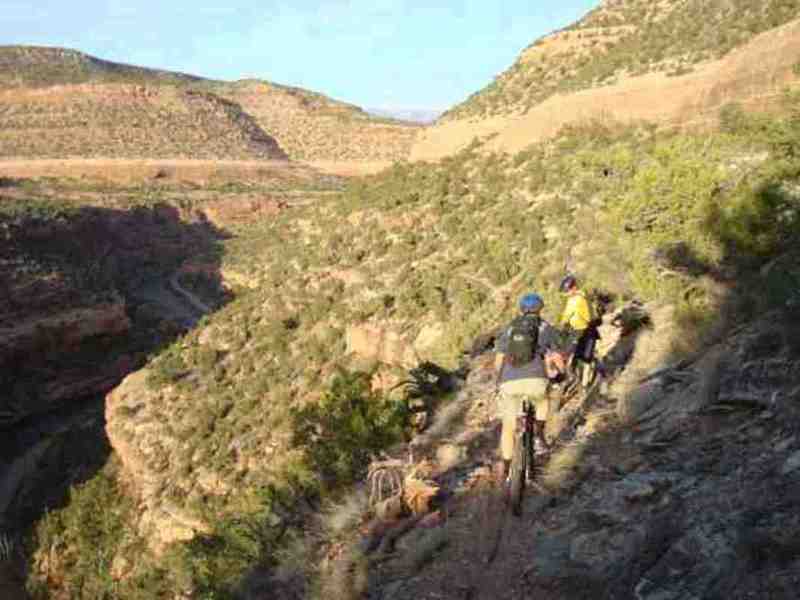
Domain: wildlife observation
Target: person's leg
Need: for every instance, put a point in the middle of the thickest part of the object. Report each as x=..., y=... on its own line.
x=581, y=340
x=572, y=352
x=508, y=408
x=542, y=401
x=584, y=356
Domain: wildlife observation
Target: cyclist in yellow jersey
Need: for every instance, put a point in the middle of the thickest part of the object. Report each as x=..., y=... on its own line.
x=578, y=321
x=577, y=313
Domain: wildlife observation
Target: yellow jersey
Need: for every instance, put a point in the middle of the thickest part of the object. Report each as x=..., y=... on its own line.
x=577, y=313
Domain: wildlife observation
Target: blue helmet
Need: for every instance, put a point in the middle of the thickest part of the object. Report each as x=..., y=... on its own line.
x=531, y=303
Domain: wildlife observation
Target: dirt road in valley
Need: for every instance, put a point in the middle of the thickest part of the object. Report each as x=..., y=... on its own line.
x=127, y=170
x=185, y=170
x=350, y=168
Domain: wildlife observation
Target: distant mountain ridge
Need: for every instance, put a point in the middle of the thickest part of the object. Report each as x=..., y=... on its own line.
x=414, y=115
x=129, y=121
x=44, y=66
x=307, y=125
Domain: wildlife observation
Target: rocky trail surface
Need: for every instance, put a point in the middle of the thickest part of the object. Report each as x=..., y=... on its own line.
x=681, y=480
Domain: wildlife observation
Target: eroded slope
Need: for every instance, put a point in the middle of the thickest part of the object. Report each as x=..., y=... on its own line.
x=127, y=121
x=627, y=71
x=621, y=39
x=313, y=127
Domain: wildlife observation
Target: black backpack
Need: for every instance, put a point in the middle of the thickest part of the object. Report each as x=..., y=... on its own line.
x=523, y=339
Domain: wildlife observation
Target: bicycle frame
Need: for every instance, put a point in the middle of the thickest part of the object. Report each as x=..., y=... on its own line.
x=525, y=419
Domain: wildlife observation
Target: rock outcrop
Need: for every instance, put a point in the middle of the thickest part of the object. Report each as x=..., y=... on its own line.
x=71, y=299
x=381, y=343
x=62, y=333
x=143, y=448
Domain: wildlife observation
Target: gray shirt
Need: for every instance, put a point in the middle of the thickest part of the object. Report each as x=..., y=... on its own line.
x=548, y=340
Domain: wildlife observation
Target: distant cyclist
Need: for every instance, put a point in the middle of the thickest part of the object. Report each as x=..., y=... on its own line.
x=578, y=322
x=522, y=373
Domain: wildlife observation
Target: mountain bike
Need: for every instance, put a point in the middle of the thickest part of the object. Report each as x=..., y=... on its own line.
x=523, y=459
x=577, y=373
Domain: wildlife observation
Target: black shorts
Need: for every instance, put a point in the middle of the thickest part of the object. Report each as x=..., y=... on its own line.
x=581, y=344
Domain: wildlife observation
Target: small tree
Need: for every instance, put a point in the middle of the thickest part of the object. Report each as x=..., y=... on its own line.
x=351, y=422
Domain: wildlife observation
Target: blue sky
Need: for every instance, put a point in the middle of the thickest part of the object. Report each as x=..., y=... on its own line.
x=374, y=53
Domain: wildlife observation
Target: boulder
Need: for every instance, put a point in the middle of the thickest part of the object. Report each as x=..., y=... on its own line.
x=692, y=566
x=792, y=464
x=450, y=455
x=371, y=341
x=428, y=337
x=419, y=495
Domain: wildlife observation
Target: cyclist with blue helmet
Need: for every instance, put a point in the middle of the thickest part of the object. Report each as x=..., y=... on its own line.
x=522, y=372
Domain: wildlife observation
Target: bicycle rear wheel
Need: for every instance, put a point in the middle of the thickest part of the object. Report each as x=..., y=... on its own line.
x=517, y=472
x=530, y=463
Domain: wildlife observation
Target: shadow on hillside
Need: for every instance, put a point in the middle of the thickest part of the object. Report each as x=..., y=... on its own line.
x=758, y=270
x=115, y=265
x=10, y=182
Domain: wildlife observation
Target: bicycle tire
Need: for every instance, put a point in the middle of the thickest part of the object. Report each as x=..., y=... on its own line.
x=530, y=463
x=517, y=472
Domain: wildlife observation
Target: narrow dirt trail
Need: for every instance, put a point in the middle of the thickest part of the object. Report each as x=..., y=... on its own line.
x=175, y=303
x=487, y=548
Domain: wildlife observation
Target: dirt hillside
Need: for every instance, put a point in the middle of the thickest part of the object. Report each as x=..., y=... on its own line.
x=128, y=121
x=313, y=127
x=91, y=108
x=754, y=75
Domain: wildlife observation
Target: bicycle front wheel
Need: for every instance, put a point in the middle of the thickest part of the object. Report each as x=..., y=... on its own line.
x=517, y=472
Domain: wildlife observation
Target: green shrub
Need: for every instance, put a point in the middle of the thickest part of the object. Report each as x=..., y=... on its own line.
x=168, y=368
x=214, y=564
x=349, y=425
x=732, y=118
x=88, y=533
